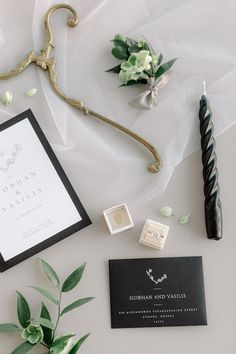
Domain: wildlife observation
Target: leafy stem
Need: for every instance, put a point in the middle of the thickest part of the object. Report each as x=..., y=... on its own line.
x=58, y=314
x=40, y=330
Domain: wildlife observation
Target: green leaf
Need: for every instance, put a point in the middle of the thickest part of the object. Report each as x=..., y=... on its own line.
x=9, y=328
x=130, y=41
x=147, y=46
x=43, y=322
x=120, y=53
x=165, y=67
x=134, y=49
x=50, y=272
x=119, y=43
x=23, y=310
x=46, y=293
x=76, y=304
x=185, y=219
x=76, y=347
x=23, y=348
x=135, y=82
x=115, y=69
x=73, y=279
x=62, y=339
x=47, y=333
x=160, y=59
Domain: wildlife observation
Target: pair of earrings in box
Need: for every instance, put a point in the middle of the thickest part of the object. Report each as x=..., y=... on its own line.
x=118, y=219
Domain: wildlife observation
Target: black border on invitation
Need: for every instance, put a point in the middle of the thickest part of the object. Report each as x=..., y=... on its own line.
x=85, y=220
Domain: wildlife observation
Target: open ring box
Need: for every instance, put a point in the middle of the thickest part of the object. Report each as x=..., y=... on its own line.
x=118, y=218
x=154, y=234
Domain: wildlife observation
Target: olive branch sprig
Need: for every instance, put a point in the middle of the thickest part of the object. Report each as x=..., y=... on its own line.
x=41, y=330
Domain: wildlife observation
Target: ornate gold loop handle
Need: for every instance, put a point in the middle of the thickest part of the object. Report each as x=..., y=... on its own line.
x=49, y=63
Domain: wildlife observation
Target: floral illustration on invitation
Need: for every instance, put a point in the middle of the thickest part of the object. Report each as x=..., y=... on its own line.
x=41, y=329
x=8, y=156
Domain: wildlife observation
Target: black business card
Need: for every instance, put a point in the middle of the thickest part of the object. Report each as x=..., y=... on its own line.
x=157, y=292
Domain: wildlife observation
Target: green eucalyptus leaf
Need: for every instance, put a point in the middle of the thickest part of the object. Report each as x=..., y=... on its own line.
x=76, y=304
x=62, y=339
x=43, y=322
x=115, y=69
x=76, y=347
x=46, y=293
x=9, y=328
x=120, y=53
x=130, y=63
x=165, y=67
x=47, y=333
x=142, y=81
x=23, y=310
x=50, y=272
x=23, y=348
x=130, y=42
x=147, y=46
x=73, y=279
x=120, y=43
x=134, y=49
x=135, y=82
x=160, y=58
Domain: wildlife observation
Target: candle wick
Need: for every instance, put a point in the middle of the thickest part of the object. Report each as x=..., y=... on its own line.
x=204, y=88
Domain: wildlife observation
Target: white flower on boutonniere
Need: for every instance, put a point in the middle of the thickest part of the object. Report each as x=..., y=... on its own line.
x=134, y=67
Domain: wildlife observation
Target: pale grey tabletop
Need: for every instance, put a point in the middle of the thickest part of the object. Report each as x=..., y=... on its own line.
x=96, y=246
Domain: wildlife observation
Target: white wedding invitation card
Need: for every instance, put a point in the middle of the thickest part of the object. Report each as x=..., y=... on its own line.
x=37, y=201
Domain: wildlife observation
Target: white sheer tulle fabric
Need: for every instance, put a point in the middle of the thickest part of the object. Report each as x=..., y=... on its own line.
x=109, y=166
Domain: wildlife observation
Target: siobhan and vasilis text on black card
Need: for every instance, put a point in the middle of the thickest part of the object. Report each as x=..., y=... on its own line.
x=157, y=292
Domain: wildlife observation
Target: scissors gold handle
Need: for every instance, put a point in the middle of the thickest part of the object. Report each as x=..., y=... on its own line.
x=46, y=62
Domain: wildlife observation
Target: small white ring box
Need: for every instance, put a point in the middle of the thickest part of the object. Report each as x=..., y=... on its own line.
x=154, y=234
x=118, y=218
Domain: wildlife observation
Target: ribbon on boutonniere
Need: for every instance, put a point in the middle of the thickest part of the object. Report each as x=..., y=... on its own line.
x=149, y=98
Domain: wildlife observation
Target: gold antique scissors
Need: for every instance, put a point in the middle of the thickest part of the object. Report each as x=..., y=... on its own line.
x=46, y=62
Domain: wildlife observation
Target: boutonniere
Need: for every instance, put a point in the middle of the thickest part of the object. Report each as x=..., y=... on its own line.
x=141, y=65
